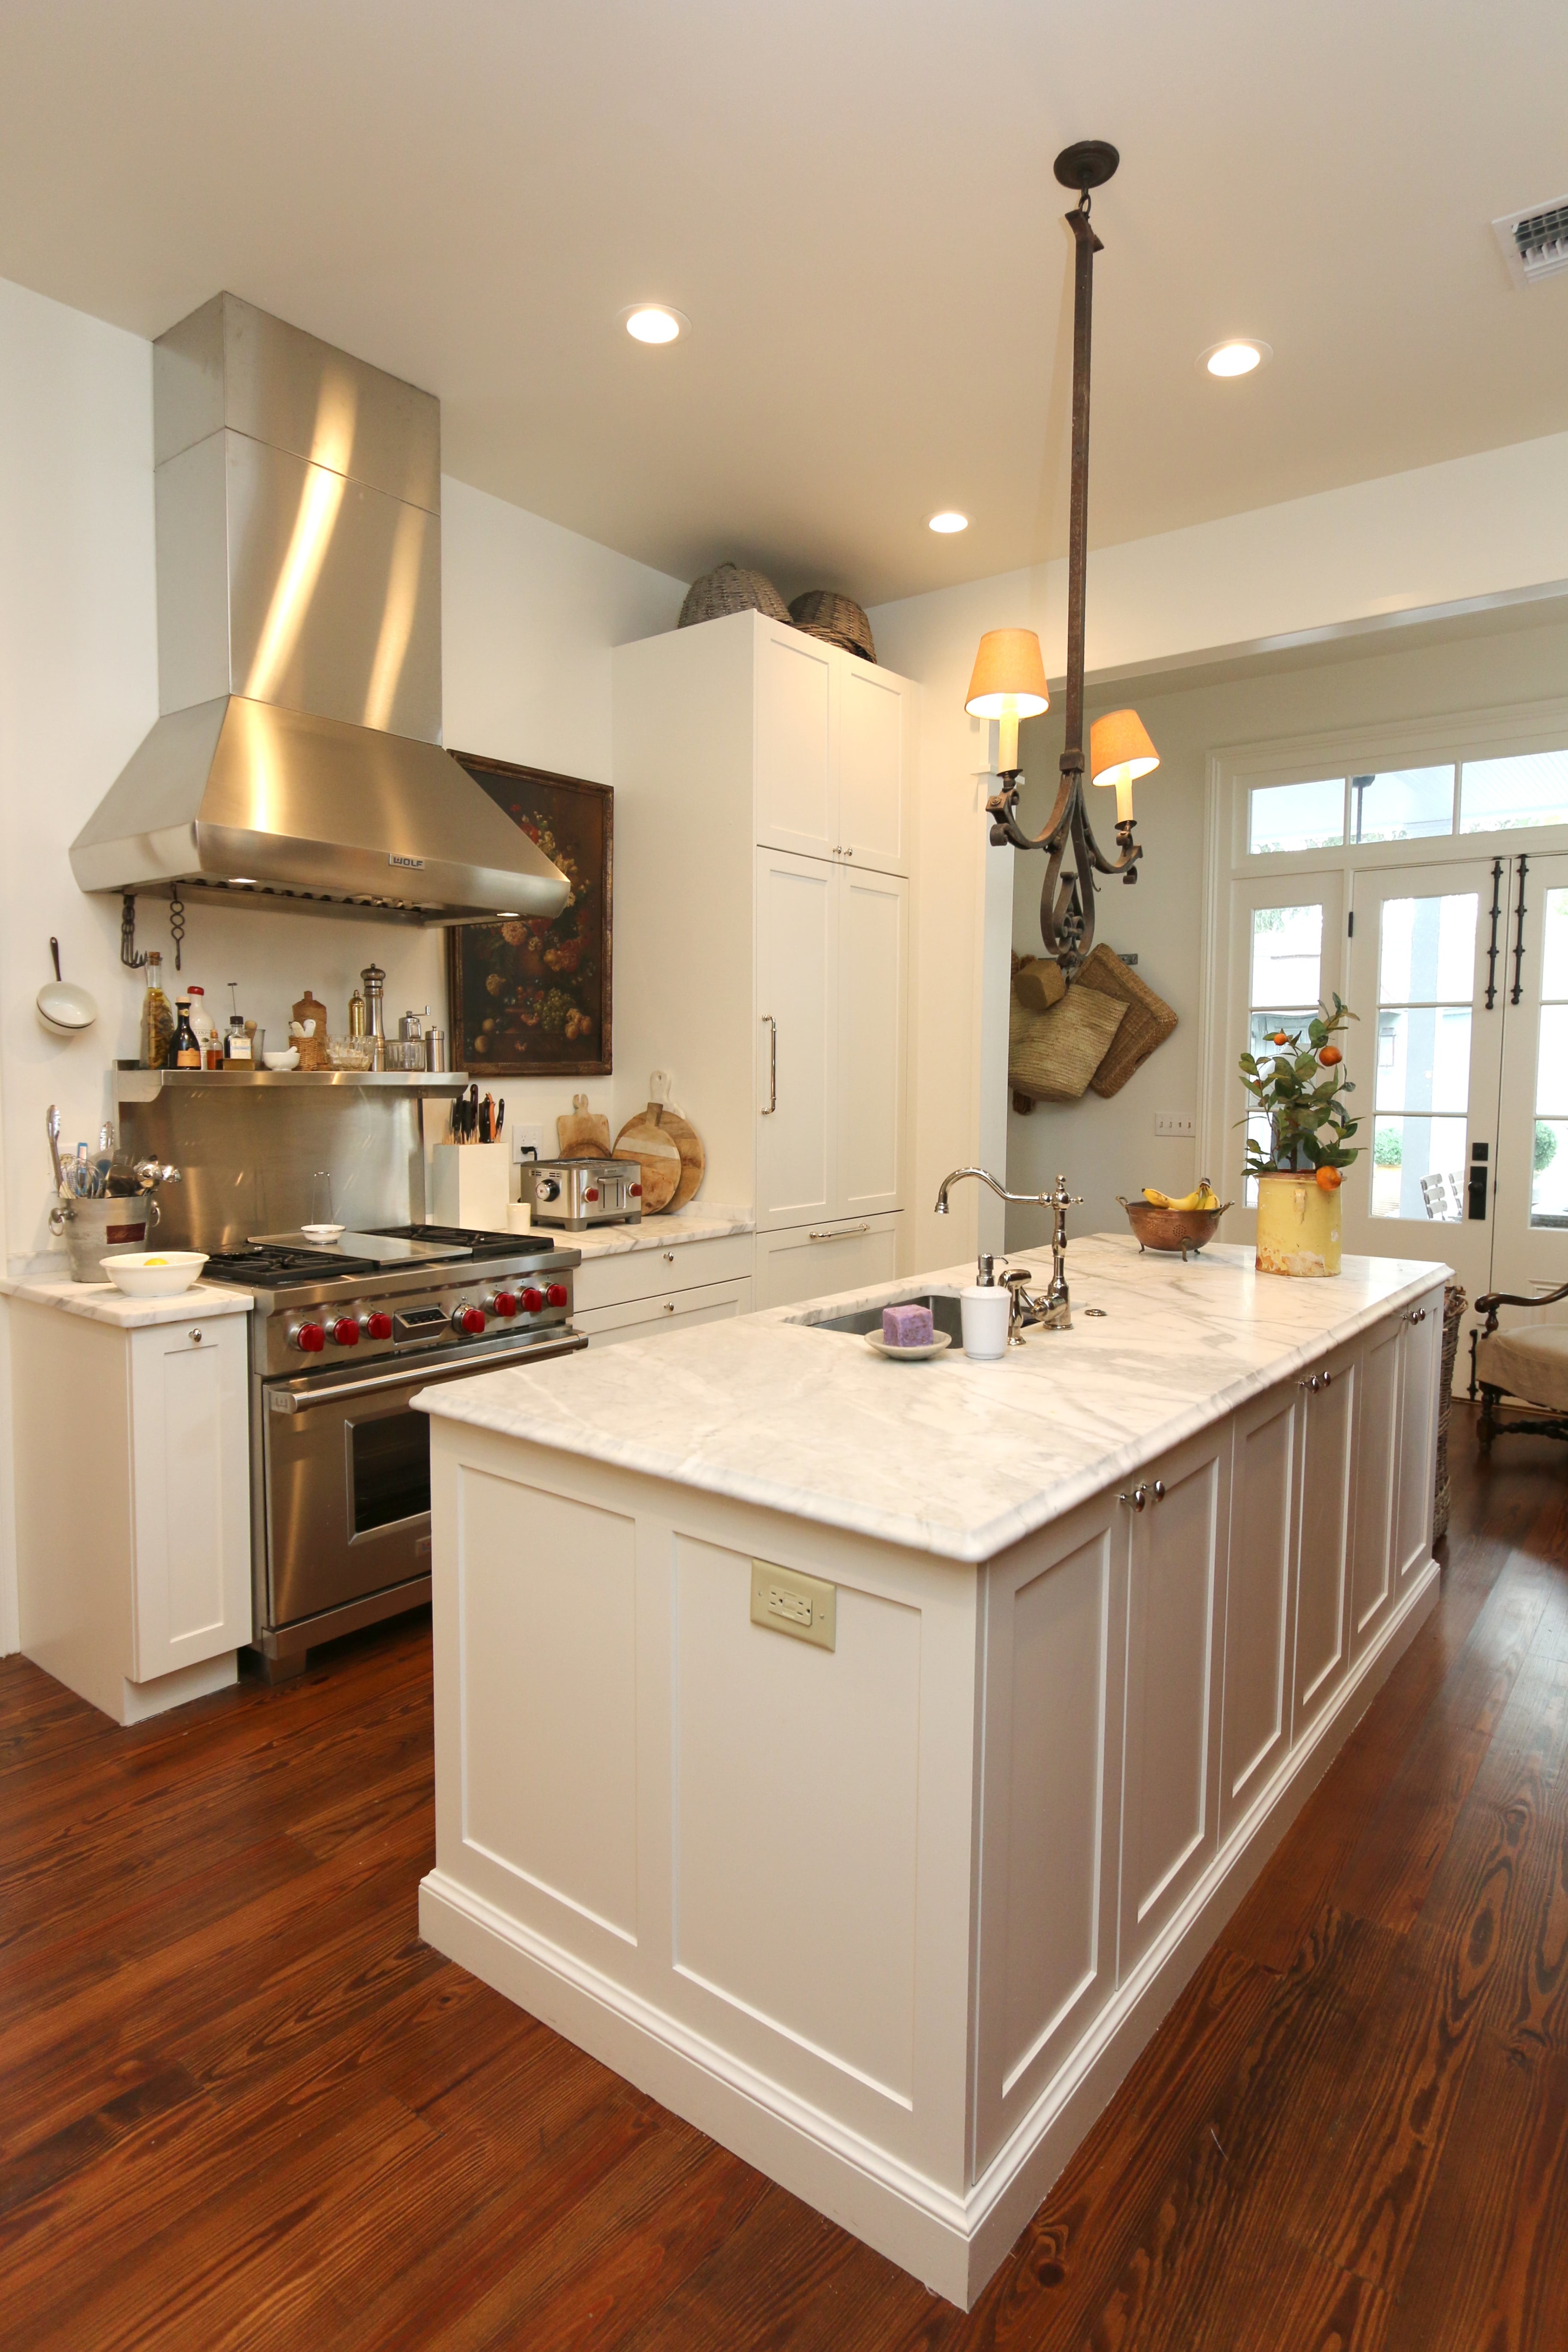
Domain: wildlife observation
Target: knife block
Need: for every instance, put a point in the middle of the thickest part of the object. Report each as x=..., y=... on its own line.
x=468, y=1185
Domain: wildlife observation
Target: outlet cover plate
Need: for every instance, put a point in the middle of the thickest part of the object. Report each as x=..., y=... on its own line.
x=787, y=1601
x=1174, y=1122
x=522, y=1135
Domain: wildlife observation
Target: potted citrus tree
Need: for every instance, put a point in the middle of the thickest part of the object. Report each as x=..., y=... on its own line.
x=1300, y=1088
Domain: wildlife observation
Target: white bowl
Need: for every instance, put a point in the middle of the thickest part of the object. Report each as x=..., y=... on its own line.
x=322, y=1232
x=289, y=1061
x=921, y=1355
x=155, y=1274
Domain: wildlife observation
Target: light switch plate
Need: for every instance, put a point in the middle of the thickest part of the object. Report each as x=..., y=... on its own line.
x=1174, y=1122
x=522, y=1135
x=786, y=1601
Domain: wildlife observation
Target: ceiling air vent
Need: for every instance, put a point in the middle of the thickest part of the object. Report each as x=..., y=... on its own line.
x=1535, y=243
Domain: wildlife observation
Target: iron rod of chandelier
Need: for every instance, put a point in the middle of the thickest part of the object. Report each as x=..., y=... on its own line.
x=1067, y=895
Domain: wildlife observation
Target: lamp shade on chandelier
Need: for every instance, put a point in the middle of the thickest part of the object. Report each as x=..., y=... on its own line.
x=1119, y=752
x=1008, y=684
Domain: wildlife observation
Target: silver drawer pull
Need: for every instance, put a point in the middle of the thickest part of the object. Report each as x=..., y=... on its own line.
x=1135, y=1500
x=669, y=1257
x=1158, y=1490
x=196, y=1335
x=1328, y=1380
x=840, y=1233
x=1314, y=1384
x=1417, y=1314
x=669, y=1307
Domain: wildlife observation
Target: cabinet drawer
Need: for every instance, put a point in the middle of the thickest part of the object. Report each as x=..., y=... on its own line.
x=649, y=1273
x=815, y=1261
x=679, y=1310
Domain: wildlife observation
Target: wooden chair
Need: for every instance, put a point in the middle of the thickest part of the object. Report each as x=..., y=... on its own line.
x=1528, y=1365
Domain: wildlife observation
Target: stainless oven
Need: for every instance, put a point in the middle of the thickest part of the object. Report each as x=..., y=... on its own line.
x=345, y=1476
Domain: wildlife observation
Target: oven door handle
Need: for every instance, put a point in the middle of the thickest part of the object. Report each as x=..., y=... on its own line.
x=288, y=1401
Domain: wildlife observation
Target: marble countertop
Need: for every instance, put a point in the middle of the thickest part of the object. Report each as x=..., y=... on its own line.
x=946, y=1456
x=696, y=1222
x=100, y=1302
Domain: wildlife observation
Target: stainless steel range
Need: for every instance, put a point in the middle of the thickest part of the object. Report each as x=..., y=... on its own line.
x=341, y=1338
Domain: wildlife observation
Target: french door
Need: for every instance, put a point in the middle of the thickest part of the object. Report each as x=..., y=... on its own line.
x=1530, y=1215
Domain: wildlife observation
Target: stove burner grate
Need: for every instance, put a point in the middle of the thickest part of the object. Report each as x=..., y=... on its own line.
x=481, y=1244
x=263, y=1264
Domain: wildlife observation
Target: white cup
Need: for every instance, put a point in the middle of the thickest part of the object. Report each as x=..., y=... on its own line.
x=983, y=1309
x=519, y=1216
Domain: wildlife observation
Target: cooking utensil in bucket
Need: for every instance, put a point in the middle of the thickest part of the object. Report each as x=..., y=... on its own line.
x=94, y=1230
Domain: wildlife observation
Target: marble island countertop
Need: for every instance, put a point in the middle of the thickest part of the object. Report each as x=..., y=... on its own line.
x=100, y=1302
x=946, y=1456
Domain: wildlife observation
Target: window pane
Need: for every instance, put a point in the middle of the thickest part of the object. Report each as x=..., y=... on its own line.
x=1496, y=795
x=1264, y=1023
x=1401, y=804
x=1287, y=948
x=1549, y=1192
x=1256, y=1131
x=1552, y=1062
x=1428, y=950
x=1406, y=1150
x=1423, y=1059
x=1296, y=816
x=1554, y=946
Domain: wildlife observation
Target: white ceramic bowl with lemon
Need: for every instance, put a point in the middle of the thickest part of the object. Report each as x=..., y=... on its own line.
x=155, y=1274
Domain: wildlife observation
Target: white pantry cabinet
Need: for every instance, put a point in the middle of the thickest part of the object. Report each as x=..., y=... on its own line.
x=133, y=1502
x=763, y=797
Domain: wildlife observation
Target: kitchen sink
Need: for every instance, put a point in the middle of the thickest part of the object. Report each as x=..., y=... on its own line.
x=944, y=1314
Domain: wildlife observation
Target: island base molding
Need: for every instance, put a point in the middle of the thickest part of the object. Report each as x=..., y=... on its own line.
x=952, y=2243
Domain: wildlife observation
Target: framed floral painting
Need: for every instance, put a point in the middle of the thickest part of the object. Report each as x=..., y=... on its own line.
x=530, y=998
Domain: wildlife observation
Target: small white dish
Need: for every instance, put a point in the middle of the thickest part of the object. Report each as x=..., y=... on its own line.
x=289, y=1061
x=879, y=1347
x=322, y=1232
x=155, y=1274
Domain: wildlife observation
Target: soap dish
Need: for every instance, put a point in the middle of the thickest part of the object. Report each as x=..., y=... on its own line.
x=879, y=1347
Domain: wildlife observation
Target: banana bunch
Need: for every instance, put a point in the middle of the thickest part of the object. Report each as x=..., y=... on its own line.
x=1205, y=1197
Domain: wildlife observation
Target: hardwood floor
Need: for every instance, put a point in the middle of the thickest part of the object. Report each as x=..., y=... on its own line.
x=244, y=2105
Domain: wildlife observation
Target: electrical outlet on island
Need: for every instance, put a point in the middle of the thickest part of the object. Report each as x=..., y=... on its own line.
x=1174, y=1122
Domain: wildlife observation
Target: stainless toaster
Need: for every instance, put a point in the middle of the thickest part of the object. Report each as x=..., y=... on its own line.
x=576, y=1194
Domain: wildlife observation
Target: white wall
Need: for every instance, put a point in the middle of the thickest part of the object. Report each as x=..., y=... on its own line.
x=1107, y=1147
x=530, y=614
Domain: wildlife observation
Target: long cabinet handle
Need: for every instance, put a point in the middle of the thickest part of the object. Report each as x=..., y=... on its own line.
x=772, y=1101
x=302, y=1400
x=840, y=1233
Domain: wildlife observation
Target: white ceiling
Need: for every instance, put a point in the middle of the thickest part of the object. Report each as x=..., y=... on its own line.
x=854, y=205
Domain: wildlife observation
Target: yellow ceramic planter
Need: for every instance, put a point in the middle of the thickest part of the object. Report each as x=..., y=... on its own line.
x=1297, y=1226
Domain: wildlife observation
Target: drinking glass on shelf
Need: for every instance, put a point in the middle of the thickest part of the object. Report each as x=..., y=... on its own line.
x=321, y=1198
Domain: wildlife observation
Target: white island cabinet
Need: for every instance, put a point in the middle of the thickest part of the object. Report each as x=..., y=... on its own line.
x=132, y=1454
x=860, y=1755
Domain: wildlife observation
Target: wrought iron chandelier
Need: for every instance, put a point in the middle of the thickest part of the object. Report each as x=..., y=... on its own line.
x=1009, y=680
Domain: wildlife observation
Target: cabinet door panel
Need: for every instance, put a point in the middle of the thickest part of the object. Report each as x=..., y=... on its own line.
x=1377, y=1486
x=1171, y=1790
x=796, y=798
x=798, y=913
x=873, y=918
x=1422, y=1345
x=1256, y=1714
x=815, y=1261
x=1054, y=1645
x=191, y=1460
x=677, y=1310
x=1322, y=1612
x=873, y=719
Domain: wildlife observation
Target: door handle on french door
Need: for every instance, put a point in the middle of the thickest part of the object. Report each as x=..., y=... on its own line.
x=1493, y=951
x=1517, y=990
x=1476, y=1203
x=772, y=1101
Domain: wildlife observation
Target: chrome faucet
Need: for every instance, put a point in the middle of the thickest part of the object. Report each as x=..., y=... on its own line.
x=1054, y=1311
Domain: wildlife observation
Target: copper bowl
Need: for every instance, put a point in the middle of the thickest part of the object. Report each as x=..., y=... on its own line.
x=1172, y=1229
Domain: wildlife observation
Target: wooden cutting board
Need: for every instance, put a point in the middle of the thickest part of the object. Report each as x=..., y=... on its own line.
x=657, y=1155
x=661, y=1119
x=582, y=1133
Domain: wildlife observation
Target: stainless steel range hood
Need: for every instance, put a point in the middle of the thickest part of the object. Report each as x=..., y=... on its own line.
x=297, y=762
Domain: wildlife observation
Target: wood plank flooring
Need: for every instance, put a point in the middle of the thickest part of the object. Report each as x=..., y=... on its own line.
x=244, y=2106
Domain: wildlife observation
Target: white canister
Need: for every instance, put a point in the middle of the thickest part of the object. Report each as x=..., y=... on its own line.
x=468, y=1185
x=984, y=1308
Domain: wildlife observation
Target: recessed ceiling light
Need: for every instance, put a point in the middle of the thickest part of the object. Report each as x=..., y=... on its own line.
x=949, y=519
x=655, y=322
x=1239, y=356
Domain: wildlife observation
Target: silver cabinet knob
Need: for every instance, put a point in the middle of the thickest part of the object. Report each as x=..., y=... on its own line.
x=196, y=1335
x=1135, y=1500
x=669, y=1257
x=1314, y=1384
x=1158, y=1490
x=670, y=1307
x=1328, y=1380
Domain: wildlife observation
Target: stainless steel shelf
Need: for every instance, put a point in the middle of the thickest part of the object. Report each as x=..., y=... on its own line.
x=132, y=1084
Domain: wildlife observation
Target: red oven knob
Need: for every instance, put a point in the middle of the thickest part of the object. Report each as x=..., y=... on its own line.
x=533, y=1300
x=504, y=1303
x=557, y=1294
x=470, y=1319
x=346, y=1331
x=636, y=1192
x=592, y=1193
x=376, y=1326
x=308, y=1337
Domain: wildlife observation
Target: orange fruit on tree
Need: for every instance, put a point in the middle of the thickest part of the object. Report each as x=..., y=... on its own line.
x=1278, y=1038
x=1329, y=1055
x=1330, y=1180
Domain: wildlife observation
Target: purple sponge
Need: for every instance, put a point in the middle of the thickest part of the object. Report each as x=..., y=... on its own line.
x=907, y=1327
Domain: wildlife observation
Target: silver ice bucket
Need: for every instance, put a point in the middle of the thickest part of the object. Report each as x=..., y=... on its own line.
x=94, y=1230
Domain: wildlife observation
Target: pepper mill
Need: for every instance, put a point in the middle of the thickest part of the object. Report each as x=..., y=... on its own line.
x=375, y=981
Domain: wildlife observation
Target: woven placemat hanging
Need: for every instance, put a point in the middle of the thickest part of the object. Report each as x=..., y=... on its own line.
x=731, y=589
x=1052, y=1057
x=839, y=619
x=1149, y=1021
